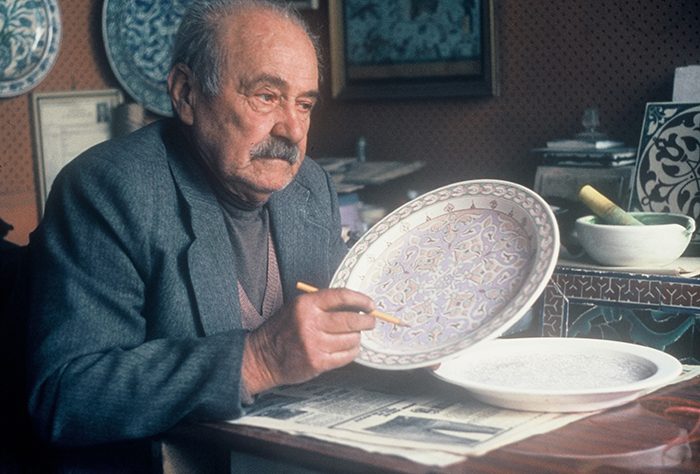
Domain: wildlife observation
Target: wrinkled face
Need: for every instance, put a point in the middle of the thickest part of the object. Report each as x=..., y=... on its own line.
x=253, y=134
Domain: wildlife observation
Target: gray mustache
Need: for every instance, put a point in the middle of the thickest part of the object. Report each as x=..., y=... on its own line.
x=275, y=147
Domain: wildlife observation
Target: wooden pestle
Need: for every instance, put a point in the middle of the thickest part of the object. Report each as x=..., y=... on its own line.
x=604, y=208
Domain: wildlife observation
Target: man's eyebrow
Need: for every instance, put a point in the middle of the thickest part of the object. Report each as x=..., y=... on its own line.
x=247, y=85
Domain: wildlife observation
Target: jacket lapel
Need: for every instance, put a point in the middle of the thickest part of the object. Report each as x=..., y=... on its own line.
x=210, y=256
x=298, y=239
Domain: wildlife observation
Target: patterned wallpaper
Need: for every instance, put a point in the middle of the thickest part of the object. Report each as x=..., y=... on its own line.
x=555, y=59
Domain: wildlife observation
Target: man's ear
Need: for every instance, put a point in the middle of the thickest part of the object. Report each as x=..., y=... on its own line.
x=181, y=88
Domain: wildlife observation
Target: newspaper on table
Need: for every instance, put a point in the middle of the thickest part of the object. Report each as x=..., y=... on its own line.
x=407, y=414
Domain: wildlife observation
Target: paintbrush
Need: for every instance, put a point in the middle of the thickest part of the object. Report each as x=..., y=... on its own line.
x=305, y=287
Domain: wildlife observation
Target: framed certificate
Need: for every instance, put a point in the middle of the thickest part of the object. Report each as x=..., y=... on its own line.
x=65, y=125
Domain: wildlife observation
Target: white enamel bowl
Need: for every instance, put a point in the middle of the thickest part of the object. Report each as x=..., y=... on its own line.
x=661, y=240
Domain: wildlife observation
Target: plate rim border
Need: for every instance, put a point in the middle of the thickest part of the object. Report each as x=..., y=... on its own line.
x=48, y=59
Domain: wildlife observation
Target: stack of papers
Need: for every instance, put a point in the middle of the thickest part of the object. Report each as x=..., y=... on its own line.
x=349, y=174
x=601, y=157
x=575, y=144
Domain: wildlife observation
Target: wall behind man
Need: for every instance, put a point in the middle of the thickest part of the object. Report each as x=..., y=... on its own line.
x=555, y=59
x=81, y=65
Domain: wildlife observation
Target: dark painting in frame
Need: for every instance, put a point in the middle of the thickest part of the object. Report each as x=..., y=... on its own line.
x=390, y=49
x=304, y=4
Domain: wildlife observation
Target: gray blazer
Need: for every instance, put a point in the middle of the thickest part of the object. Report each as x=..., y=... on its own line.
x=135, y=322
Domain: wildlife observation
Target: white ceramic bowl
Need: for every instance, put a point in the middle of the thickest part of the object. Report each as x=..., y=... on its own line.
x=662, y=239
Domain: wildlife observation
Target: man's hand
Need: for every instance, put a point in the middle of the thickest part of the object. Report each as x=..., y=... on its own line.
x=315, y=333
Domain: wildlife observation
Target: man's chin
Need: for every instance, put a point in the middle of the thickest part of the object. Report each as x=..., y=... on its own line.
x=261, y=191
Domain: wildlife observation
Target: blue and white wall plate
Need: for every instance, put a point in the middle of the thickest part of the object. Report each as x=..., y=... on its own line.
x=30, y=34
x=138, y=39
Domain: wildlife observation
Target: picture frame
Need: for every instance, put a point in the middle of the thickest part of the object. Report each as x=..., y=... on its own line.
x=65, y=124
x=304, y=4
x=412, y=49
x=666, y=171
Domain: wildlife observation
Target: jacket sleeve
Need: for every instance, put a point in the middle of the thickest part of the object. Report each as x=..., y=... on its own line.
x=94, y=373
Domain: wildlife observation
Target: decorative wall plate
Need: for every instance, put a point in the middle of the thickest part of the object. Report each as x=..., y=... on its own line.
x=460, y=264
x=30, y=35
x=138, y=38
x=559, y=374
x=668, y=163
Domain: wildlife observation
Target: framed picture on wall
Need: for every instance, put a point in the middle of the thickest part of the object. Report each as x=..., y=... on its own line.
x=412, y=48
x=65, y=125
x=305, y=4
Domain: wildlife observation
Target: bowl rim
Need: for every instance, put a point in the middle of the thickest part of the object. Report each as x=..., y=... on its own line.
x=689, y=220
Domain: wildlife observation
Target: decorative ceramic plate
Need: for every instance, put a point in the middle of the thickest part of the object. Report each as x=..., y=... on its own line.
x=460, y=264
x=668, y=164
x=30, y=34
x=559, y=374
x=138, y=38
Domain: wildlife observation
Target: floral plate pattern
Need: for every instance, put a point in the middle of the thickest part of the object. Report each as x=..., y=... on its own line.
x=138, y=38
x=460, y=264
x=30, y=35
x=668, y=163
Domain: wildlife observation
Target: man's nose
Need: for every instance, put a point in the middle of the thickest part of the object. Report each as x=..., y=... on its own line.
x=291, y=123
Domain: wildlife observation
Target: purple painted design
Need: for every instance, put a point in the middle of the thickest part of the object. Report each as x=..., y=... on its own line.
x=461, y=264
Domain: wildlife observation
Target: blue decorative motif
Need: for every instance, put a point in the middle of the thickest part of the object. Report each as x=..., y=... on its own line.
x=658, y=311
x=668, y=166
x=381, y=32
x=30, y=34
x=657, y=329
x=667, y=331
x=138, y=37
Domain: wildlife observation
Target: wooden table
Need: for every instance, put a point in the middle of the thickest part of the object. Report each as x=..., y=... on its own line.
x=636, y=437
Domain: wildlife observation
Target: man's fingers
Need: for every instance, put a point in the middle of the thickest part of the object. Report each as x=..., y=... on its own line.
x=340, y=299
x=347, y=322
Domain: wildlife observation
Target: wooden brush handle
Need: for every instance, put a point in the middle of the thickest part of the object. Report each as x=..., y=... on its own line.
x=604, y=208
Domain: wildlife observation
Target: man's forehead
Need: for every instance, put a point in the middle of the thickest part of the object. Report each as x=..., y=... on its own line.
x=248, y=83
x=251, y=26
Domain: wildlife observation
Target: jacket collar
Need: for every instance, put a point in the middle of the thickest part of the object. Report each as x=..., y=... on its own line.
x=210, y=256
x=292, y=234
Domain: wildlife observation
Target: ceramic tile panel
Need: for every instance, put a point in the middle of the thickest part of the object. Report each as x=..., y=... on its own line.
x=668, y=160
x=660, y=311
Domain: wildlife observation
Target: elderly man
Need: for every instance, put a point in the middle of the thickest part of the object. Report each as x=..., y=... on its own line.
x=165, y=265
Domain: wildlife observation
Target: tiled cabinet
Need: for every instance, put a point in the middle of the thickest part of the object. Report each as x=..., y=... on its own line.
x=653, y=310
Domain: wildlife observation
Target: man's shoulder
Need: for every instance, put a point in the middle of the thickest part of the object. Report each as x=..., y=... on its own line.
x=139, y=153
x=146, y=143
x=131, y=166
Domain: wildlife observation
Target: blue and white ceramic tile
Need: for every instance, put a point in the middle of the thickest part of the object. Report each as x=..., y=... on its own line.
x=460, y=264
x=30, y=35
x=138, y=38
x=667, y=173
